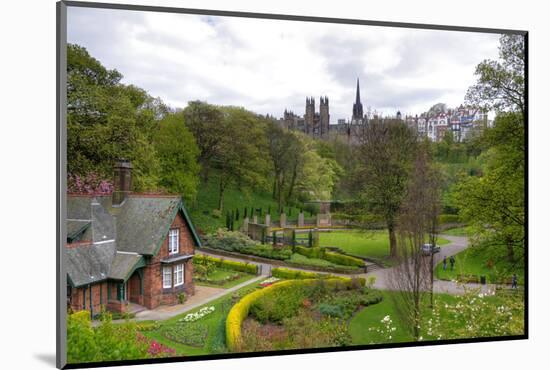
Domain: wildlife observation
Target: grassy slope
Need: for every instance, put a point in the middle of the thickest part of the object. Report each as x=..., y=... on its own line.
x=215, y=322
x=207, y=200
x=371, y=316
x=472, y=262
x=373, y=244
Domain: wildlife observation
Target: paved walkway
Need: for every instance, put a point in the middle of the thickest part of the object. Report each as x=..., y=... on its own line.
x=203, y=295
x=457, y=244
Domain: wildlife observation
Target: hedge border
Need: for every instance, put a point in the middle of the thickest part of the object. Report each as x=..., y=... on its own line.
x=239, y=312
x=246, y=267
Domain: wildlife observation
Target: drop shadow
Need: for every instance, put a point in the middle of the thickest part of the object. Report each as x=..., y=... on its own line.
x=47, y=358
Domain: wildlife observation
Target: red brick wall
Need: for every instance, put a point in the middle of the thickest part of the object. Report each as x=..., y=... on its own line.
x=153, y=292
x=93, y=298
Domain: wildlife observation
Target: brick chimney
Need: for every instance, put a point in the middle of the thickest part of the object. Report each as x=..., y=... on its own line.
x=122, y=181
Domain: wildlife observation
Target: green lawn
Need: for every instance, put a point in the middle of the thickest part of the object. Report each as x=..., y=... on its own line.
x=370, y=317
x=220, y=274
x=474, y=262
x=368, y=244
x=207, y=201
x=458, y=231
x=215, y=323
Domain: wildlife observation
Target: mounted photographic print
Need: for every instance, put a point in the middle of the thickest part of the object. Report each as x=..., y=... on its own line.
x=238, y=184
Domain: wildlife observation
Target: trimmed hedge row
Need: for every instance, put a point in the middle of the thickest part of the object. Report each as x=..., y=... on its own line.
x=341, y=259
x=249, y=268
x=334, y=257
x=240, y=311
x=284, y=273
x=311, y=252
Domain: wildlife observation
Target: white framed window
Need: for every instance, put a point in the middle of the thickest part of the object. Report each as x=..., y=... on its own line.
x=178, y=275
x=174, y=241
x=167, y=277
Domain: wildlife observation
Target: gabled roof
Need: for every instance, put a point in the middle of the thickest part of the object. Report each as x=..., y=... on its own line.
x=143, y=223
x=120, y=236
x=89, y=263
x=76, y=228
x=124, y=264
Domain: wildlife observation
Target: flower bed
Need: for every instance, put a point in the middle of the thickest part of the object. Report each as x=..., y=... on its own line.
x=190, y=317
x=192, y=334
x=240, y=311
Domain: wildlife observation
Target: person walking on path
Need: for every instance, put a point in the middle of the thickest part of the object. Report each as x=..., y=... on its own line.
x=452, y=261
x=444, y=263
x=514, y=281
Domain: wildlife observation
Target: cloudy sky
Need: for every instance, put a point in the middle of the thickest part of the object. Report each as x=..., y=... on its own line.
x=269, y=65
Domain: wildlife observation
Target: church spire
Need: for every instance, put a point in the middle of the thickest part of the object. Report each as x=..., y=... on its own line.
x=357, y=106
x=357, y=95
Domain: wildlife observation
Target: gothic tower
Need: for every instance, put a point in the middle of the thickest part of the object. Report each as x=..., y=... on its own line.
x=310, y=114
x=324, y=117
x=357, y=115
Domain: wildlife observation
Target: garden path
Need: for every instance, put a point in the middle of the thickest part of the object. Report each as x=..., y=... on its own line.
x=203, y=295
x=457, y=244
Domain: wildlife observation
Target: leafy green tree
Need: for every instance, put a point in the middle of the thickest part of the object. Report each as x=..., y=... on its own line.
x=286, y=152
x=177, y=153
x=501, y=84
x=206, y=122
x=242, y=156
x=107, y=120
x=387, y=153
x=494, y=203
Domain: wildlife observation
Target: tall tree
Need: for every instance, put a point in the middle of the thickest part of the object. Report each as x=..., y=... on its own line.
x=285, y=156
x=242, y=157
x=386, y=155
x=501, y=84
x=412, y=277
x=206, y=122
x=177, y=152
x=494, y=203
x=107, y=120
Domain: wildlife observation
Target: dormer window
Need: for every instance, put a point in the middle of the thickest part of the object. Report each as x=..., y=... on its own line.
x=174, y=241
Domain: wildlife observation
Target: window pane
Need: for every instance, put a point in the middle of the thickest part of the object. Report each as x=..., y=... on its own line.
x=167, y=277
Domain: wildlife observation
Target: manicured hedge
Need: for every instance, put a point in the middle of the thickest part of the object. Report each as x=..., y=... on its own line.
x=249, y=268
x=240, y=311
x=284, y=273
x=334, y=257
x=311, y=252
x=341, y=259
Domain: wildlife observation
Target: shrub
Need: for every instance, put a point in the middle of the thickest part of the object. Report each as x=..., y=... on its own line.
x=234, y=241
x=148, y=326
x=284, y=273
x=311, y=252
x=181, y=298
x=331, y=310
x=240, y=311
x=249, y=268
x=341, y=259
